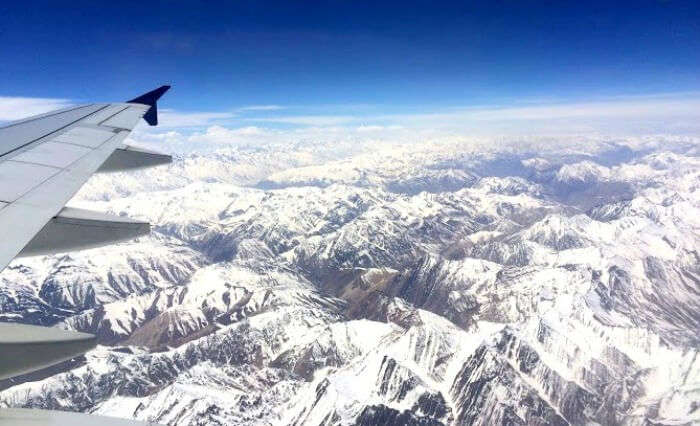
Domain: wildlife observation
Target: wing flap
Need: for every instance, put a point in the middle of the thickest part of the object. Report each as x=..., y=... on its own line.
x=79, y=229
x=26, y=348
x=132, y=158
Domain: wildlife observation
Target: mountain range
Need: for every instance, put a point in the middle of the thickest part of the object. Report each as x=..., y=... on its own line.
x=525, y=281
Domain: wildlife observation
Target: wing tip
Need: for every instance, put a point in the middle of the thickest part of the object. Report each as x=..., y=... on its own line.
x=150, y=99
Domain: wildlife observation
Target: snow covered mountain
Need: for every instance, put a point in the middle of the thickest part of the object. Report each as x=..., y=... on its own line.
x=420, y=284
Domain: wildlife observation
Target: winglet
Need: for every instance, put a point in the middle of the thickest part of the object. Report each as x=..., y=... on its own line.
x=150, y=99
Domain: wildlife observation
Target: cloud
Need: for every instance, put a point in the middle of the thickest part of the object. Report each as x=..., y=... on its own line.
x=640, y=108
x=654, y=114
x=638, y=114
x=184, y=131
x=262, y=108
x=170, y=118
x=562, y=122
x=308, y=120
x=376, y=128
x=174, y=119
x=15, y=108
x=641, y=114
x=182, y=140
x=219, y=134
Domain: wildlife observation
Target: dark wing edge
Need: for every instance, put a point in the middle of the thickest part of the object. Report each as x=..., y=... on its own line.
x=151, y=99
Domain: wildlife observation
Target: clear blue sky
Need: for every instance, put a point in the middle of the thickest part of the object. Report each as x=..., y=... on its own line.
x=236, y=53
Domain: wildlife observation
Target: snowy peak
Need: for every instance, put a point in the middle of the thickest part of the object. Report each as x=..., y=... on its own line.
x=583, y=172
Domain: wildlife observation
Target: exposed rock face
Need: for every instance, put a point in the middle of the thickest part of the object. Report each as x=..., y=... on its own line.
x=425, y=286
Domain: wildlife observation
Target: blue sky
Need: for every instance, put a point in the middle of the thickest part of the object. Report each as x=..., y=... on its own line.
x=354, y=61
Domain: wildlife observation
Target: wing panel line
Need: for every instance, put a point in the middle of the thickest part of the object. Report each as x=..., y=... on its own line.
x=50, y=133
x=112, y=116
x=45, y=115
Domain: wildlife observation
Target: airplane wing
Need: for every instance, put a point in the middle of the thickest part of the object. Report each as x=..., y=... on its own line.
x=44, y=160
